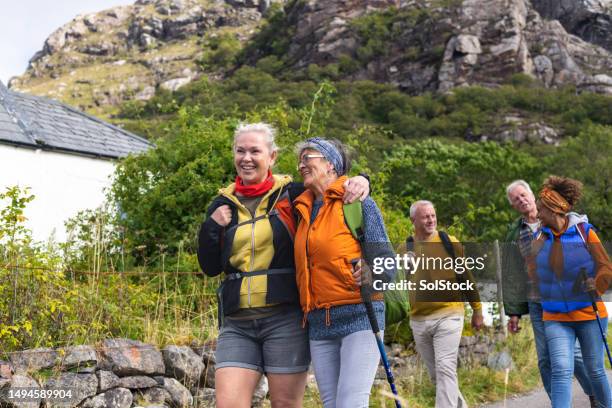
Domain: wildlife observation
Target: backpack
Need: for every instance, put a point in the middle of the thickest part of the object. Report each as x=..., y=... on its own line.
x=449, y=248
x=397, y=306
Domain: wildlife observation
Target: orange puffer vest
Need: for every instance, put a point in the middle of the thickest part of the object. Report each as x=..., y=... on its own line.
x=323, y=252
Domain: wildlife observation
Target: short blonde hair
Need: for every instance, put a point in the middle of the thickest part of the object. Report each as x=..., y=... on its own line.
x=260, y=127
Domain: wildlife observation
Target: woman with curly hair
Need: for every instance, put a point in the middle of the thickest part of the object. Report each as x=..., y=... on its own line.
x=565, y=249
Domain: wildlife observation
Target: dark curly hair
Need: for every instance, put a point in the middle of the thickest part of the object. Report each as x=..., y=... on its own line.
x=568, y=188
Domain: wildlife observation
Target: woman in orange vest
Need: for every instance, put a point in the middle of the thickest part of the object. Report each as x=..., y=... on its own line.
x=248, y=236
x=343, y=349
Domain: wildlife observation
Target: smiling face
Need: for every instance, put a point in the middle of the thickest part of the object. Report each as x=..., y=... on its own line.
x=522, y=200
x=546, y=216
x=252, y=157
x=314, y=170
x=424, y=220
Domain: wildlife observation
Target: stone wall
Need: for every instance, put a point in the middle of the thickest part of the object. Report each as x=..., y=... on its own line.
x=477, y=350
x=118, y=373
x=122, y=373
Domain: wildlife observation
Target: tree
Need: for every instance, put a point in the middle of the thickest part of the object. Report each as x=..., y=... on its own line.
x=465, y=181
x=588, y=158
x=162, y=195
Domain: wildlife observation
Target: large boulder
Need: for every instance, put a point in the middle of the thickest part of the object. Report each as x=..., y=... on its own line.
x=180, y=397
x=28, y=361
x=115, y=398
x=174, y=84
x=597, y=83
x=81, y=386
x=130, y=357
x=107, y=380
x=20, y=383
x=183, y=364
x=137, y=382
x=82, y=358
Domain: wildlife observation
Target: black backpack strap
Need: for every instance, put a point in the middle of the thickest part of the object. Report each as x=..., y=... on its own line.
x=450, y=249
x=294, y=190
x=410, y=243
x=448, y=245
x=249, y=221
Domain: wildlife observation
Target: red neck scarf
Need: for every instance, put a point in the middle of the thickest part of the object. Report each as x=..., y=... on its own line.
x=254, y=190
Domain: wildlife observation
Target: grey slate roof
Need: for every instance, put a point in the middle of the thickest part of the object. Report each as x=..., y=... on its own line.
x=46, y=124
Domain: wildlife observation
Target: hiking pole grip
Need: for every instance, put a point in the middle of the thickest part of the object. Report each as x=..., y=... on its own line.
x=592, y=293
x=593, y=296
x=367, y=302
x=366, y=298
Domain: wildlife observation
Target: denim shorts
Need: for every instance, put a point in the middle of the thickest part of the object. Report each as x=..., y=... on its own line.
x=276, y=344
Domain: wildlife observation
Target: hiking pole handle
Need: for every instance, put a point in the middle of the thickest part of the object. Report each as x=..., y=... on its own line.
x=592, y=293
x=365, y=291
x=367, y=302
x=593, y=296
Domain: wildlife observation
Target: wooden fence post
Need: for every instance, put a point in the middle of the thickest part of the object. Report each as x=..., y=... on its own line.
x=500, y=296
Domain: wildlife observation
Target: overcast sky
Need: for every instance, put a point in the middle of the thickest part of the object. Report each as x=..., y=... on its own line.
x=26, y=24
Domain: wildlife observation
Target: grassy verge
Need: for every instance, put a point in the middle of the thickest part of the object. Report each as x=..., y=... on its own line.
x=478, y=384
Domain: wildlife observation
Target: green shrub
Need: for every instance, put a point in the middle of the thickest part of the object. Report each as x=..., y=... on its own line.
x=465, y=181
x=220, y=52
x=164, y=192
x=37, y=304
x=588, y=158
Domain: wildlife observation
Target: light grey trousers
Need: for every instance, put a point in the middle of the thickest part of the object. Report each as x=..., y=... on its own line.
x=437, y=342
x=345, y=369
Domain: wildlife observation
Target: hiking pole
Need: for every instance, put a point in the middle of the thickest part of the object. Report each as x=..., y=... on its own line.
x=593, y=296
x=366, y=297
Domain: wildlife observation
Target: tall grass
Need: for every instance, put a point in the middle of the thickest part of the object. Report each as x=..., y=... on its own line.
x=87, y=290
x=478, y=384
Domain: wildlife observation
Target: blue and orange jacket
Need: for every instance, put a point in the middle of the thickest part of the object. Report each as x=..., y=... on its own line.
x=567, y=301
x=324, y=250
x=562, y=294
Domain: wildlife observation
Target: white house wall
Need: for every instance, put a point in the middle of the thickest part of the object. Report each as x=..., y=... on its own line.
x=63, y=185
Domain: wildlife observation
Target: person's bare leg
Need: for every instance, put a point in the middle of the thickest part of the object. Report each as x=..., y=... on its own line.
x=234, y=387
x=287, y=390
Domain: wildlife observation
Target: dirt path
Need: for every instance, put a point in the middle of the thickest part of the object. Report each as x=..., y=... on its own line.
x=539, y=399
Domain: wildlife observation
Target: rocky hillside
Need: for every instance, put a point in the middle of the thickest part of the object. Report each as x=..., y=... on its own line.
x=127, y=53
x=590, y=20
x=440, y=44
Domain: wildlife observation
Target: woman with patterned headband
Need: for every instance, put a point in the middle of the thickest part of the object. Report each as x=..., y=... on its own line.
x=248, y=235
x=343, y=349
x=568, y=261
